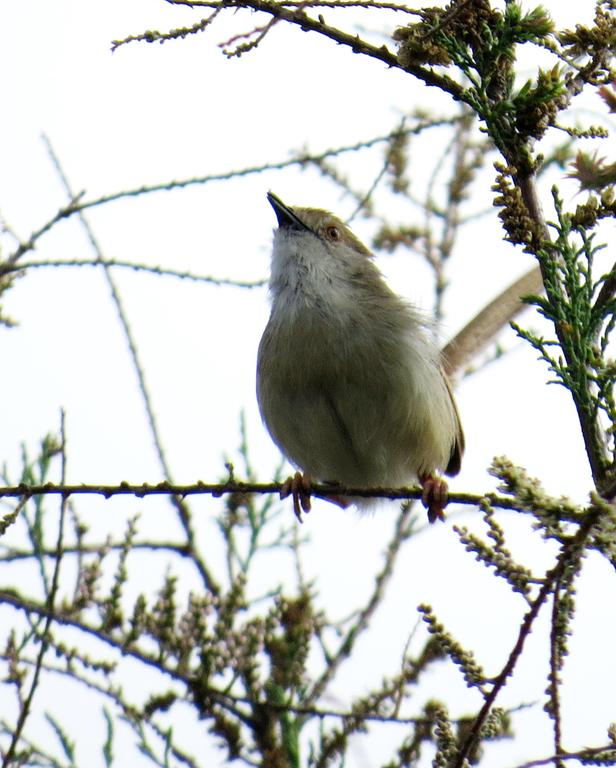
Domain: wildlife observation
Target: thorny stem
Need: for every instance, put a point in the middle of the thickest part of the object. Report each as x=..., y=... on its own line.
x=319, y=490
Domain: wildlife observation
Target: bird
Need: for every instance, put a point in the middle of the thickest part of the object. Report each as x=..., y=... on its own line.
x=350, y=383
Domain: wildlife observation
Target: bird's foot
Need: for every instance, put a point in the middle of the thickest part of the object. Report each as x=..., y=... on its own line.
x=300, y=488
x=435, y=495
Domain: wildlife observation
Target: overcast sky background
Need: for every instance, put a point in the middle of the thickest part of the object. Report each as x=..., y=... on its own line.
x=149, y=114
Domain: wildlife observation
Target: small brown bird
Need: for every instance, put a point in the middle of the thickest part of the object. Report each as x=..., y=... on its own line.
x=349, y=379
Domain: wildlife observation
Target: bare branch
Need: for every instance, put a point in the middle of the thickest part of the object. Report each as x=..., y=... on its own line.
x=299, y=18
x=135, y=267
x=183, y=511
x=299, y=159
x=319, y=490
x=50, y=608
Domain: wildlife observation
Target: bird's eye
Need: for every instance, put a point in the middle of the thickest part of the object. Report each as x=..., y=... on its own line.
x=333, y=233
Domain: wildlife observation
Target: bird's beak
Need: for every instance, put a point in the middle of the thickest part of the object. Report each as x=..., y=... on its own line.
x=285, y=215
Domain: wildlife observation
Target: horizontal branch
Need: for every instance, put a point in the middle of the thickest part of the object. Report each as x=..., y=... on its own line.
x=6, y=269
x=319, y=490
x=374, y=5
x=77, y=204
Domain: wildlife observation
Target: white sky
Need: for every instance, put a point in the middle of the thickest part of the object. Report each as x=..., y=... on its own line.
x=149, y=114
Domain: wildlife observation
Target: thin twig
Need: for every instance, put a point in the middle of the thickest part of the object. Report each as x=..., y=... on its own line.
x=402, y=531
x=135, y=267
x=554, y=676
x=15, y=555
x=365, y=198
x=50, y=611
x=427, y=75
x=184, y=513
x=435, y=261
x=300, y=159
x=460, y=178
x=29, y=244
x=589, y=755
x=317, y=712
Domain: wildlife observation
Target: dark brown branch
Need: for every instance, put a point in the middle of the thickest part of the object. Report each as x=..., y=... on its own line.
x=354, y=42
x=552, y=577
x=367, y=4
x=319, y=490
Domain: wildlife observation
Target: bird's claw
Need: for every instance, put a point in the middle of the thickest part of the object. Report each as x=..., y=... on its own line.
x=434, y=496
x=300, y=488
